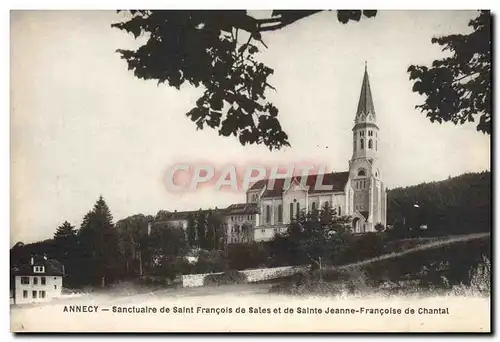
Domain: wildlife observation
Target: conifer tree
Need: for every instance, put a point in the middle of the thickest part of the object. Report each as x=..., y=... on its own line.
x=66, y=230
x=100, y=242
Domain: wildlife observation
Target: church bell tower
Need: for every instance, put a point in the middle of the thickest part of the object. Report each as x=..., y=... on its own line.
x=366, y=193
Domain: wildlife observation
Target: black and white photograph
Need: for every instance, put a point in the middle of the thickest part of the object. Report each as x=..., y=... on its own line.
x=250, y=171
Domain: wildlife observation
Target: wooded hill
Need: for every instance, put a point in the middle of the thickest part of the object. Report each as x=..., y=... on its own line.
x=454, y=206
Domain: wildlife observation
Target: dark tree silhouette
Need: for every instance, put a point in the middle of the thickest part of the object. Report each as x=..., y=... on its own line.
x=379, y=227
x=454, y=206
x=100, y=243
x=65, y=242
x=133, y=231
x=214, y=230
x=457, y=88
x=191, y=231
x=201, y=229
x=319, y=236
x=166, y=243
x=216, y=50
x=65, y=230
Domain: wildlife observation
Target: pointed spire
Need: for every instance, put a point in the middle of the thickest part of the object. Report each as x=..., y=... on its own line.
x=365, y=104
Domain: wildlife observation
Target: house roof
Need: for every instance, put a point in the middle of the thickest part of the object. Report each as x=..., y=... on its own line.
x=241, y=209
x=233, y=209
x=336, y=180
x=180, y=215
x=183, y=215
x=52, y=268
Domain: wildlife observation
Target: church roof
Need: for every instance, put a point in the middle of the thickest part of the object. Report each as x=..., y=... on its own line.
x=365, y=104
x=337, y=180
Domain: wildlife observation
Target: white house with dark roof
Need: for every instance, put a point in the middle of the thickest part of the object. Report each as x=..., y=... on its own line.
x=358, y=192
x=39, y=281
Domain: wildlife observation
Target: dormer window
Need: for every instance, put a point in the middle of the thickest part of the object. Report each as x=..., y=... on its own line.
x=38, y=269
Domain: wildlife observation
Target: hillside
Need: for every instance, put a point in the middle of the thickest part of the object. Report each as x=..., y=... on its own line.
x=457, y=205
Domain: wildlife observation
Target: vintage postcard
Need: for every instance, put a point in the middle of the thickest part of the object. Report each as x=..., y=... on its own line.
x=250, y=171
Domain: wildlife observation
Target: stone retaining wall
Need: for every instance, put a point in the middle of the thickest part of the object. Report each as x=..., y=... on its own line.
x=195, y=280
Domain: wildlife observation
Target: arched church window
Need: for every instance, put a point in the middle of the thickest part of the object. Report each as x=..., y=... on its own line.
x=361, y=172
x=291, y=211
x=362, y=144
x=327, y=204
x=313, y=206
x=370, y=144
x=298, y=208
x=280, y=213
x=268, y=214
x=354, y=145
x=340, y=211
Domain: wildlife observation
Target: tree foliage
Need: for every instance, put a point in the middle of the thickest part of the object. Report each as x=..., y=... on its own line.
x=379, y=227
x=64, y=231
x=100, y=243
x=191, y=231
x=166, y=243
x=133, y=233
x=457, y=88
x=457, y=205
x=215, y=230
x=315, y=237
x=218, y=51
x=66, y=246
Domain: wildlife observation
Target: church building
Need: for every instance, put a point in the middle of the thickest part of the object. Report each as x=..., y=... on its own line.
x=358, y=192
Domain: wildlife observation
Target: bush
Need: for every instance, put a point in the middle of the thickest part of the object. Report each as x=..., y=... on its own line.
x=209, y=262
x=226, y=278
x=481, y=277
x=330, y=282
x=245, y=256
x=171, y=268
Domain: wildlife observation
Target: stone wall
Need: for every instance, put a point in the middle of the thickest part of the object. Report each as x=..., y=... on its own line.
x=253, y=275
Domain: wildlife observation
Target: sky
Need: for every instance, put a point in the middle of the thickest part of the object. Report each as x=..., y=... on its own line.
x=83, y=126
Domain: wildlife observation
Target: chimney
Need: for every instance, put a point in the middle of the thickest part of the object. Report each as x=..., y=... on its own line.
x=149, y=228
x=32, y=261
